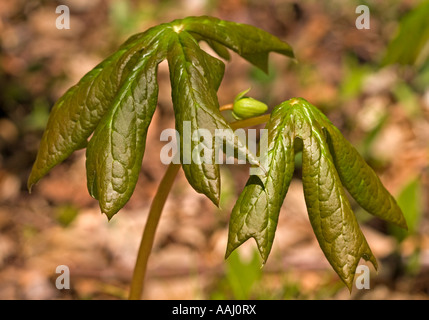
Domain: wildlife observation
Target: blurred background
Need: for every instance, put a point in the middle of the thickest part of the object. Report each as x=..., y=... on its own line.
x=372, y=84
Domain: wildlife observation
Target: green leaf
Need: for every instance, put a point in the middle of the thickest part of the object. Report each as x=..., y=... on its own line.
x=220, y=50
x=195, y=77
x=256, y=211
x=356, y=175
x=331, y=216
x=409, y=200
x=252, y=43
x=115, y=152
x=411, y=43
x=242, y=276
x=328, y=160
x=360, y=180
x=77, y=113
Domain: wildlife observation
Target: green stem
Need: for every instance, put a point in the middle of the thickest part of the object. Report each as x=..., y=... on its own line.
x=149, y=231
x=225, y=107
x=155, y=211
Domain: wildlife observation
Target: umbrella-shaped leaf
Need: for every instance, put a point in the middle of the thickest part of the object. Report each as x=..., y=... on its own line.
x=118, y=97
x=328, y=161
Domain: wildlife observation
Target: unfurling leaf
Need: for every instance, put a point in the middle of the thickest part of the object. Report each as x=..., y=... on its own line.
x=116, y=100
x=329, y=164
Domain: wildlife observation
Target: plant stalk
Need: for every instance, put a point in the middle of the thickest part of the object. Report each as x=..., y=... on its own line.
x=225, y=107
x=146, y=243
x=137, y=282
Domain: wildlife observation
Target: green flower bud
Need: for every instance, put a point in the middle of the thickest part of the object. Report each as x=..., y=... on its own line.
x=246, y=107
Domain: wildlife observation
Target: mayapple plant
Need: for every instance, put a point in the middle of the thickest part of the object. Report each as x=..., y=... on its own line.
x=115, y=103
